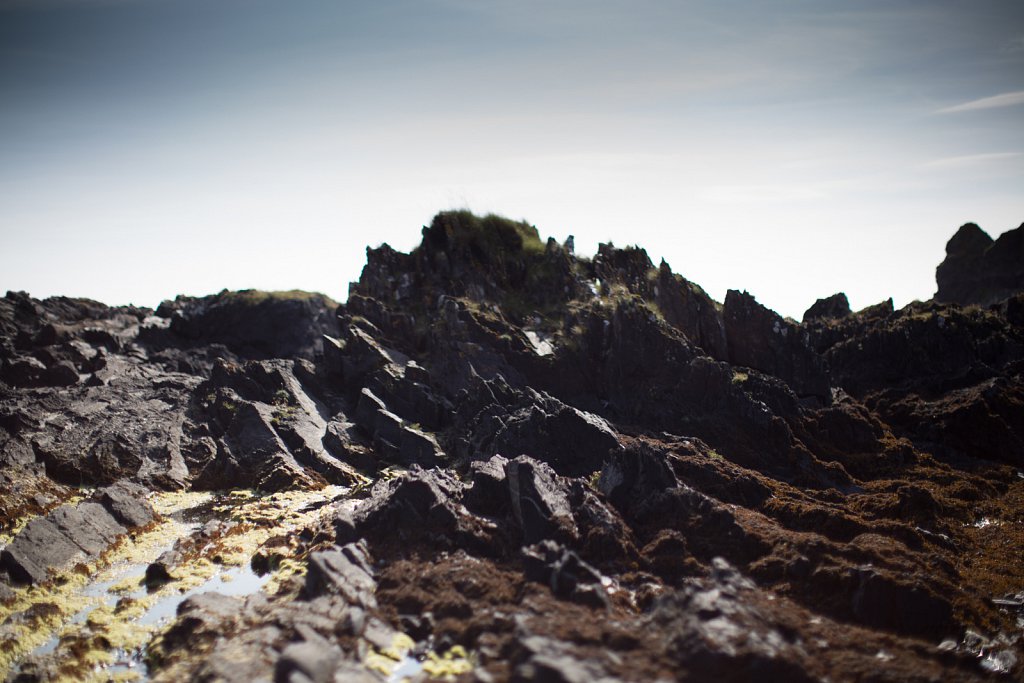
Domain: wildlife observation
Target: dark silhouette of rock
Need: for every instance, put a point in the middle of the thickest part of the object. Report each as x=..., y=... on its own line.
x=254, y=324
x=761, y=339
x=978, y=270
x=831, y=308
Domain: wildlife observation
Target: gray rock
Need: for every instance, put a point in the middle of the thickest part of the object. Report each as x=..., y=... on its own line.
x=127, y=502
x=416, y=507
x=393, y=437
x=89, y=526
x=346, y=571
x=830, y=308
x=307, y=661
x=540, y=502
x=635, y=474
x=540, y=658
x=513, y=423
x=489, y=493
x=562, y=570
x=719, y=629
x=39, y=548
x=62, y=374
x=23, y=371
x=760, y=338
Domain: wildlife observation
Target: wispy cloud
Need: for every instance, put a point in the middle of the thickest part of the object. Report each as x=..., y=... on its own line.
x=969, y=160
x=1006, y=99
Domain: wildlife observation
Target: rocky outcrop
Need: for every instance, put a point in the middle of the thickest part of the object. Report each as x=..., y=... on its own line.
x=501, y=460
x=831, y=308
x=761, y=339
x=980, y=270
x=253, y=324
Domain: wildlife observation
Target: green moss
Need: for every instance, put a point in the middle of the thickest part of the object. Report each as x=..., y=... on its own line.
x=487, y=237
x=254, y=297
x=283, y=414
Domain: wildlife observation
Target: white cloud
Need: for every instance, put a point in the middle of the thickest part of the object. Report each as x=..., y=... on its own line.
x=969, y=160
x=1006, y=99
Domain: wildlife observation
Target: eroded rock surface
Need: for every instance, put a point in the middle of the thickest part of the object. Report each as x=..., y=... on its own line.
x=531, y=465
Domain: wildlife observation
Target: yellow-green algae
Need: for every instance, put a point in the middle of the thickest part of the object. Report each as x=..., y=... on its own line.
x=452, y=663
x=86, y=648
x=447, y=666
x=45, y=610
x=385, y=661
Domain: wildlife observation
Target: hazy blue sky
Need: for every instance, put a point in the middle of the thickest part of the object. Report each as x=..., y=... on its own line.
x=793, y=149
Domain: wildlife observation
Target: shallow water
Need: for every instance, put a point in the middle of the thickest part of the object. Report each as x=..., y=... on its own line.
x=238, y=581
x=408, y=667
x=119, y=589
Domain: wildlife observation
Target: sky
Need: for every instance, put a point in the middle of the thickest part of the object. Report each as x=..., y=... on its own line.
x=792, y=149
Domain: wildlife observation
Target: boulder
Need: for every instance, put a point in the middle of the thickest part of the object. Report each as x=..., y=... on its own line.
x=540, y=502
x=834, y=307
x=978, y=270
x=562, y=570
x=126, y=501
x=255, y=324
x=346, y=571
x=39, y=548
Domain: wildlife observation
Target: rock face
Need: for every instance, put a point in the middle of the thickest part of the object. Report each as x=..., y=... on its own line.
x=980, y=270
x=529, y=465
x=69, y=533
x=832, y=308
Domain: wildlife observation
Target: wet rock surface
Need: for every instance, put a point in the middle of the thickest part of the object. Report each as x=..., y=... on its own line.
x=501, y=461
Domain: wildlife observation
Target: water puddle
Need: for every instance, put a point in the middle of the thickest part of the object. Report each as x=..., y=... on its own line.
x=236, y=581
x=407, y=667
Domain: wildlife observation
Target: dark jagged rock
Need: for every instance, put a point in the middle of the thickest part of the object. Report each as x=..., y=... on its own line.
x=761, y=339
x=421, y=506
x=572, y=441
x=540, y=504
x=254, y=324
x=264, y=425
x=567, y=575
x=978, y=270
x=548, y=467
x=831, y=308
x=346, y=571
